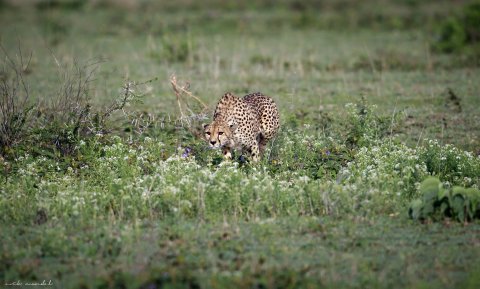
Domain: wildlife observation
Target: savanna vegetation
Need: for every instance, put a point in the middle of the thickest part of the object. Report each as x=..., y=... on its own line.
x=372, y=181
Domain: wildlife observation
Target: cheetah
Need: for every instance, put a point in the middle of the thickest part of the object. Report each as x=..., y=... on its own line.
x=247, y=123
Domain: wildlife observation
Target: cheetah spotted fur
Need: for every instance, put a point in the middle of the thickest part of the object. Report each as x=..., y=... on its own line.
x=246, y=123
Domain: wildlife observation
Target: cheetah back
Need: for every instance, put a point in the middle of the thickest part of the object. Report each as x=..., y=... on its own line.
x=266, y=111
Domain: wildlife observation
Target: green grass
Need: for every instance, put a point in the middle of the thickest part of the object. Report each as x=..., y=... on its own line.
x=303, y=252
x=327, y=206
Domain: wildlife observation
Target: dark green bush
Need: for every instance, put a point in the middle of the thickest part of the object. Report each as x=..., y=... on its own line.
x=452, y=36
x=459, y=32
x=437, y=202
x=472, y=23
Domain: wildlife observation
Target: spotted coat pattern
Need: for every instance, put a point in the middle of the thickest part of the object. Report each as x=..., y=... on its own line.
x=247, y=123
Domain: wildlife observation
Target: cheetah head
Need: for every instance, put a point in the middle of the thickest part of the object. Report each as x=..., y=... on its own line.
x=218, y=134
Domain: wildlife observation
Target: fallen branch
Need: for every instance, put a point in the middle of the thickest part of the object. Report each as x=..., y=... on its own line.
x=179, y=90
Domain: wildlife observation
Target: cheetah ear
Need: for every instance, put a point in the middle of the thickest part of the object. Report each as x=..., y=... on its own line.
x=233, y=126
x=229, y=95
x=204, y=125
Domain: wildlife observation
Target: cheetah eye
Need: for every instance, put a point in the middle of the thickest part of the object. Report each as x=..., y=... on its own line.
x=207, y=133
x=220, y=132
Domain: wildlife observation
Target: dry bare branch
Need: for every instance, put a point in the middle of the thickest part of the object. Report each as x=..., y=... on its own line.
x=14, y=99
x=181, y=94
x=179, y=90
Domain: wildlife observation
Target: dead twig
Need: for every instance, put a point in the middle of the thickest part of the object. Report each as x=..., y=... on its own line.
x=15, y=106
x=179, y=90
x=178, y=94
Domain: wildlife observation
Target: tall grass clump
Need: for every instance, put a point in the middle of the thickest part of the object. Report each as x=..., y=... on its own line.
x=300, y=149
x=172, y=48
x=62, y=122
x=364, y=126
x=56, y=127
x=15, y=102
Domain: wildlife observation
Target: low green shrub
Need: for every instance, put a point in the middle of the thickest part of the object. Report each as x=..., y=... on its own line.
x=364, y=126
x=438, y=202
x=452, y=165
x=392, y=168
x=299, y=149
x=55, y=128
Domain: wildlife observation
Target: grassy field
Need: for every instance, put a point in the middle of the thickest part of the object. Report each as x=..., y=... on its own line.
x=105, y=186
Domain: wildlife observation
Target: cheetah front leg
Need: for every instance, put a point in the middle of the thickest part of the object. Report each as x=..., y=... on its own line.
x=255, y=152
x=227, y=153
x=262, y=143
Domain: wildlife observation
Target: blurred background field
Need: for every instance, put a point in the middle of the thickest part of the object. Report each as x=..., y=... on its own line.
x=310, y=55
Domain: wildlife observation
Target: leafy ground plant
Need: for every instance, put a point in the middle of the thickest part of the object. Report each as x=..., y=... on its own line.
x=437, y=202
